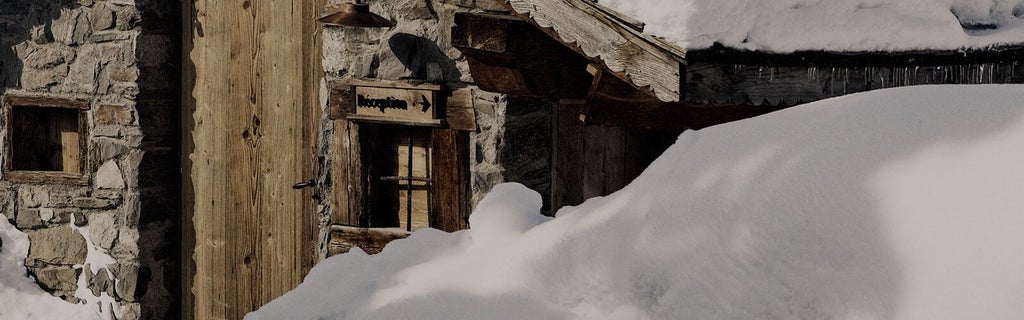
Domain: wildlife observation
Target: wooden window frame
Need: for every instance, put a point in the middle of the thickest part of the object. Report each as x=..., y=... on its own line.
x=82, y=105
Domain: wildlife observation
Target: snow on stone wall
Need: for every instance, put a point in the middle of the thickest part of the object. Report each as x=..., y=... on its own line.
x=109, y=244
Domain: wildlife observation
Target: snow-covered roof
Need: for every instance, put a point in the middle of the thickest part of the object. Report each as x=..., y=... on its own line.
x=831, y=25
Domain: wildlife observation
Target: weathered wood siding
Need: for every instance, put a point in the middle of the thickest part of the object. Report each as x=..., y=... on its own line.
x=731, y=78
x=250, y=97
x=631, y=55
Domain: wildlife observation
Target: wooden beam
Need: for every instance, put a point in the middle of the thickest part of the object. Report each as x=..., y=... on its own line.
x=641, y=60
x=508, y=55
x=370, y=240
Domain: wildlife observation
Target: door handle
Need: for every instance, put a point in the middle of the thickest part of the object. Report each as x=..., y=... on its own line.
x=304, y=184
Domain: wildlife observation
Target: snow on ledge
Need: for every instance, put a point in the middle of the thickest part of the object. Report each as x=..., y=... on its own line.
x=784, y=26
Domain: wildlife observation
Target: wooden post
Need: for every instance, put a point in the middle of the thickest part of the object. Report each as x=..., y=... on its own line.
x=248, y=106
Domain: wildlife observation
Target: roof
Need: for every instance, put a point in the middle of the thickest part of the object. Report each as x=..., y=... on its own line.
x=615, y=41
x=783, y=26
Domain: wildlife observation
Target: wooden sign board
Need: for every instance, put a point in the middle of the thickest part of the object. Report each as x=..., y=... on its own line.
x=402, y=104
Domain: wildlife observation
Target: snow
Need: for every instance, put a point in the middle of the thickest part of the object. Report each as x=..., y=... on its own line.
x=894, y=204
x=830, y=25
x=20, y=296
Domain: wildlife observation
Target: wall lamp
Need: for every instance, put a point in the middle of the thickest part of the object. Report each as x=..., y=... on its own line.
x=356, y=14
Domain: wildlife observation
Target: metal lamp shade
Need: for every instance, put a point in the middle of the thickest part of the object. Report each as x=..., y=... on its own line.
x=356, y=15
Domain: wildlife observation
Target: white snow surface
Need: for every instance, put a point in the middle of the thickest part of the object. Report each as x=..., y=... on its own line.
x=20, y=297
x=829, y=25
x=895, y=204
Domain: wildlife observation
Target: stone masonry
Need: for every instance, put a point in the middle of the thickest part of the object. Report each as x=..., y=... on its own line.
x=513, y=142
x=116, y=235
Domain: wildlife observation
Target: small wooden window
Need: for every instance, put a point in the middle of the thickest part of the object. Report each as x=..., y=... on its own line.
x=46, y=139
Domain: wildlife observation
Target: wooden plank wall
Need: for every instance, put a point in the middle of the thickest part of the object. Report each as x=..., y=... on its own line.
x=595, y=160
x=250, y=84
x=735, y=84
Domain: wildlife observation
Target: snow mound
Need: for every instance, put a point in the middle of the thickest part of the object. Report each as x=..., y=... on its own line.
x=20, y=297
x=894, y=204
x=831, y=25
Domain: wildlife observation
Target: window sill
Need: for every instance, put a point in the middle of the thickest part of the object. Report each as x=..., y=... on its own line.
x=46, y=177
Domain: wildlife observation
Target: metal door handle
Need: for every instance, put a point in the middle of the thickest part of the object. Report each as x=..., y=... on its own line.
x=304, y=184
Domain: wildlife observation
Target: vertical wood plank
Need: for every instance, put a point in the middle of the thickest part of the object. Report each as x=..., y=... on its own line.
x=603, y=169
x=248, y=139
x=356, y=178
x=341, y=211
x=449, y=180
x=567, y=155
x=70, y=141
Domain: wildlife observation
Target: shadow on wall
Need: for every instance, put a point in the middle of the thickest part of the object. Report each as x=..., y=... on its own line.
x=423, y=58
x=158, y=52
x=22, y=21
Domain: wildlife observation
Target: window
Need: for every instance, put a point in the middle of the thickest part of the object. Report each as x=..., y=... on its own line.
x=46, y=139
x=399, y=178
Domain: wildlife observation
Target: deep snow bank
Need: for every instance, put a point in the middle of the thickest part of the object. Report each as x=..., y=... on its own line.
x=20, y=297
x=833, y=25
x=894, y=204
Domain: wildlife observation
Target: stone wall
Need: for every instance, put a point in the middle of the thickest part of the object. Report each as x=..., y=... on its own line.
x=110, y=243
x=513, y=142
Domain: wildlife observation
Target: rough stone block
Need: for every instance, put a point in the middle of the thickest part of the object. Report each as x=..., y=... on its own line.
x=124, y=74
x=127, y=282
x=7, y=196
x=56, y=246
x=47, y=56
x=56, y=278
x=111, y=194
x=84, y=71
x=108, y=149
x=129, y=212
x=101, y=282
x=109, y=36
x=102, y=17
x=81, y=219
x=28, y=219
x=33, y=197
x=41, y=35
x=127, y=246
x=130, y=311
x=46, y=214
x=109, y=176
x=40, y=79
x=94, y=203
x=107, y=131
x=491, y=5
x=127, y=17
x=114, y=115
x=103, y=229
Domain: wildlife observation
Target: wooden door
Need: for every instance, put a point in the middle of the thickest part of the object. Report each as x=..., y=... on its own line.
x=250, y=113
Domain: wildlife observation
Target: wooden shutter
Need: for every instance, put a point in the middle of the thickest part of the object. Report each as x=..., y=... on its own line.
x=450, y=180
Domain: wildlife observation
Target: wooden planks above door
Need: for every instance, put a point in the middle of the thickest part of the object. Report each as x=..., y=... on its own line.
x=250, y=108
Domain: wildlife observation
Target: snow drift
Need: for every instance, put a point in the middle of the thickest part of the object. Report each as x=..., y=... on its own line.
x=20, y=297
x=831, y=25
x=894, y=204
